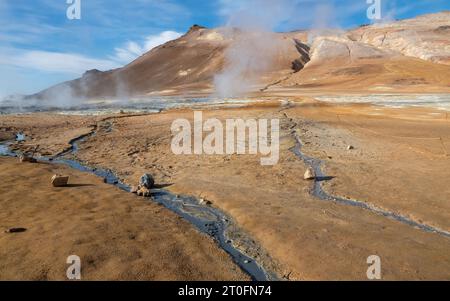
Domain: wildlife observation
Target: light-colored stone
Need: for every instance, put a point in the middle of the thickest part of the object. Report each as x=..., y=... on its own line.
x=205, y=202
x=144, y=192
x=60, y=181
x=309, y=174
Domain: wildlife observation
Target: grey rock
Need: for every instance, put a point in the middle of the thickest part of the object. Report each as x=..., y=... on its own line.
x=147, y=181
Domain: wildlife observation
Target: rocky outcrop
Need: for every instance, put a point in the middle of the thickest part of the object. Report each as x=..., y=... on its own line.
x=340, y=47
x=426, y=37
x=303, y=49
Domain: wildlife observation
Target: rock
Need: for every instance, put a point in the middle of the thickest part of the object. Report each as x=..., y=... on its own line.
x=304, y=58
x=147, y=181
x=16, y=230
x=205, y=202
x=145, y=192
x=309, y=174
x=134, y=189
x=350, y=147
x=328, y=48
x=60, y=181
x=26, y=159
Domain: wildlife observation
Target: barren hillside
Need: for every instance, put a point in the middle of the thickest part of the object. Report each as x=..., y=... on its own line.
x=404, y=56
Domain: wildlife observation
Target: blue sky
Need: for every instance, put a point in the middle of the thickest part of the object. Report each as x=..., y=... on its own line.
x=39, y=46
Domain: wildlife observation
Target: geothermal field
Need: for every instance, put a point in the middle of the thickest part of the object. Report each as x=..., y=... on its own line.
x=139, y=172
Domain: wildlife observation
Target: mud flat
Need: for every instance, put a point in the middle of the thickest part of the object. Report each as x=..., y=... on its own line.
x=304, y=237
x=116, y=234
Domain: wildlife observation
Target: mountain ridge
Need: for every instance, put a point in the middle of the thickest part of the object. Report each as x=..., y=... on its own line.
x=407, y=55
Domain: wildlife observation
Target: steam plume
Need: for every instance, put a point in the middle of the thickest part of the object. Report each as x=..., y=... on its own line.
x=250, y=25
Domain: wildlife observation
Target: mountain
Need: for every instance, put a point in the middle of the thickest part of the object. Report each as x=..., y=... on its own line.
x=408, y=55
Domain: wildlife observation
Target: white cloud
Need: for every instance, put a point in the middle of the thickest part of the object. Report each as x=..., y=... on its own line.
x=76, y=64
x=55, y=62
x=133, y=50
x=127, y=53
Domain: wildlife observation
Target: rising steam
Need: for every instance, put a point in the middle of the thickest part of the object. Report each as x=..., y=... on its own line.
x=250, y=26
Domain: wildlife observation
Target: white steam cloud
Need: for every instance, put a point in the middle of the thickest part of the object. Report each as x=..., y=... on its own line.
x=250, y=26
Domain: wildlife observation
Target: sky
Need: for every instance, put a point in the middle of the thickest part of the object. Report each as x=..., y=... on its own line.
x=40, y=46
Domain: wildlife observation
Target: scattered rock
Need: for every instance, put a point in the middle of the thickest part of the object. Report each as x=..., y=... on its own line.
x=143, y=191
x=16, y=230
x=147, y=181
x=309, y=174
x=350, y=147
x=60, y=181
x=205, y=202
x=26, y=159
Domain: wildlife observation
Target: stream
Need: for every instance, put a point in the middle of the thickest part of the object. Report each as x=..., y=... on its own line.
x=206, y=219
x=213, y=221
x=319, y=193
